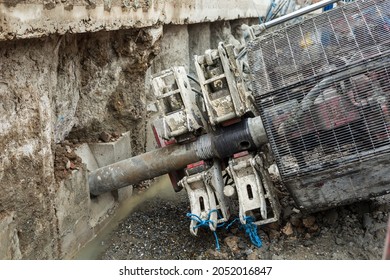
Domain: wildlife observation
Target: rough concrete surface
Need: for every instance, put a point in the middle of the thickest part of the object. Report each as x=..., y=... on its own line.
x=29, y=19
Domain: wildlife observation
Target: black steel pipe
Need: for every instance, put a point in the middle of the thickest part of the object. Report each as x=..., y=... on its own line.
x=247, y=135
x=142, y=167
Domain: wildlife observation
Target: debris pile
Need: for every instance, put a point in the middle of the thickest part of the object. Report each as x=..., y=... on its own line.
x=65, y=160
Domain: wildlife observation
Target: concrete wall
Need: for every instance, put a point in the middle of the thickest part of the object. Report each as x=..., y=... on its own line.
x=35, y=18
x=74, y=73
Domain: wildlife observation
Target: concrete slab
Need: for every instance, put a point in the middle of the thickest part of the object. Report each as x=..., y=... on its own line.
x=87, y=157
x=109, y=153
x=105, y=154
x=32, y=19
x=72, y=207
x=100, y=208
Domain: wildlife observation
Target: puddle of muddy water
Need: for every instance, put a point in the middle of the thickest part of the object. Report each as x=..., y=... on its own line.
x=97, y=246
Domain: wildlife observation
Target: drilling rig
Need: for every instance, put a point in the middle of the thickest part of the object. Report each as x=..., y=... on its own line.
x=312, y=97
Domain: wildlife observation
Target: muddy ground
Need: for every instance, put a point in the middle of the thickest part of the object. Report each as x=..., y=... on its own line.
x=157, y=228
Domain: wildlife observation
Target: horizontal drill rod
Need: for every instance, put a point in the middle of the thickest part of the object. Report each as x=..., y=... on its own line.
x=249, y=134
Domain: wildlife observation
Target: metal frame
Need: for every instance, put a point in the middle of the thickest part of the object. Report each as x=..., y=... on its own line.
x=255, y=189
x=205, y=193
x=230, y=97
x=176, y=102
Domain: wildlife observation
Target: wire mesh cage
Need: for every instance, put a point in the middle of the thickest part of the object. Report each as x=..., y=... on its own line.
x=322, y=87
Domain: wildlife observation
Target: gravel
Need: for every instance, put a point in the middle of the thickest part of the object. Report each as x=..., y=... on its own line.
x=159, y=229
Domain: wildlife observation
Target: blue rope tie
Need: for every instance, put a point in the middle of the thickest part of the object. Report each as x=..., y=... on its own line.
x=251, y=230
x=231, y=223
x=250, y=227
x=206, y=224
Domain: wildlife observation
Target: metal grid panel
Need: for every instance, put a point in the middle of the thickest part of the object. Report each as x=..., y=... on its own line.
x=323, y=86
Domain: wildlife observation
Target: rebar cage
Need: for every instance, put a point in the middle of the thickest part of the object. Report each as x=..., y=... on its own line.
x=322, y=87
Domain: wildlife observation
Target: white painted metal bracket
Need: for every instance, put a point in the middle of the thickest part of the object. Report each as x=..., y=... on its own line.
x=205, y=193
x=254, y=189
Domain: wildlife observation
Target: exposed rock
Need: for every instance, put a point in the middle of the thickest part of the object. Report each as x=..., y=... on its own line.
x=288, y=229
x=168, y=239
x=253, y=256
x=314, y=228
x=367, y=221
x=105, y=137
x=242, y=245
x=232, y=243
x=339, y=241
x=296, y=221
x=274, y=234
x=287, y=211
x=274, y=226
x=308, y=222
x=67, y=165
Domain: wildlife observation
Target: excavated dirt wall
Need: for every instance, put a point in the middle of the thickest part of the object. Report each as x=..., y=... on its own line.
x=58, y=92
x=56, y=88
x=27, y=79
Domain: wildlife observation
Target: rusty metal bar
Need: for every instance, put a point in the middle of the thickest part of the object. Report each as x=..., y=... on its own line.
x=248, y=134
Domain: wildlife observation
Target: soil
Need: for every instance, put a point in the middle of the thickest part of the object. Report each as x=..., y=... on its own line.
x=65, y=160
x=159, y=229
x=26, y=169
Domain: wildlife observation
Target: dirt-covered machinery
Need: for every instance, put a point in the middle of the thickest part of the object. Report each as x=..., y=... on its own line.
x=312, y=97
x=322, y=89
